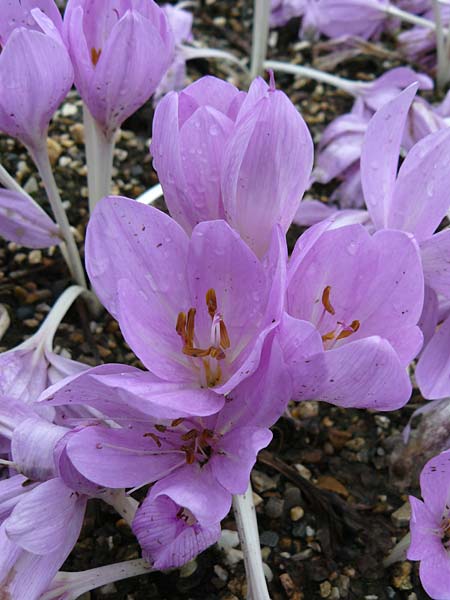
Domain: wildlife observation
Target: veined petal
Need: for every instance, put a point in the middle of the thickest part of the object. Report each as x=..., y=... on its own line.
x=435, y=252
x=433, y=368
x=424, y=541
x=17, y=13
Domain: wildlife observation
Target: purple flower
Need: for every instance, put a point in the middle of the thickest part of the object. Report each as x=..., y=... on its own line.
x=172, y=526
x=35, y=76
x=430, y=524
x=360, y=305
x=223, y=154
x=195, y=310
x=17, y=13
x=120, y=52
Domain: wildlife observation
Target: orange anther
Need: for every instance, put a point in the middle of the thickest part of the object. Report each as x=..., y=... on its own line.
x=355, y=325
x=224, y=337
x=326, y=300
x=328, y=336
x=161, y=428
x=177, y=422
x=95, y=55
x=190, y=326
x=211, y=302
x=189, y=435
x=154, y=437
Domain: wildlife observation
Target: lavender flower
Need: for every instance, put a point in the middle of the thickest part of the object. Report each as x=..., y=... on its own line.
x=18, y=13
x=252, y=162
x=430, y=525
x=120, y=53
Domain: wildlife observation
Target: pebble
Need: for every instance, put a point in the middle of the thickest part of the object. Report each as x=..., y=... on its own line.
x=188, y=569
x=228, y=539
x=267, y=572
x=35, y=257
x=233, y=556
x=401, y=579
x=31, y=323
x=31, y=186
x=64, y=161
x=77, y=131
x=221, y=572
x=269, y=538
x=304, y=471
x=296, y=513
x=262, y=482
x=325, y=589
x=69, y=110
x=402, y=515
x=256, y=499
x=306, y=410
x=274, y=508
x=107, y=589
x=54, y=150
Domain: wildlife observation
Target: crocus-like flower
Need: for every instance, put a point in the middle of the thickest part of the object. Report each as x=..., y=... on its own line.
x=221, y=154
x=35, y=76
x=196, y=311
x=362, y=297
x=120, y=52
x=430, y=526
x=17, y=13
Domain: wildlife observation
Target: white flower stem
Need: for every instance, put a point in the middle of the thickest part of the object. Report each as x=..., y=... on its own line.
x=191, y=53
x=72, y=585
x=244, y=511
x=41, y=159
x=11, y=184
x=349, y=86
x=442, y=48
x=152, y=194
x=57, y=314
x=124, y=504
x=99, y=159
x=260, y=35
x=403, y=15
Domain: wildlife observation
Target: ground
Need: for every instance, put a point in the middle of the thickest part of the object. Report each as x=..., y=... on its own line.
x=327, y=493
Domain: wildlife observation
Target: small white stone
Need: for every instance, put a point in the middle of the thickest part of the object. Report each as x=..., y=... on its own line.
x=68, y=110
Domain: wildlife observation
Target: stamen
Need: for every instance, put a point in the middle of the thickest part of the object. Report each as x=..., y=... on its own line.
x=224, y=337
x=326, y=300
x=177, y=422
x=154, y=437
x=181, y=326
x=161, y=428
x=355, y=325
x=328, y=336
x=189, y=435
x=196, y=352
x=211, y=302
x=95, y=55
x=217, y=353
x=190, y=326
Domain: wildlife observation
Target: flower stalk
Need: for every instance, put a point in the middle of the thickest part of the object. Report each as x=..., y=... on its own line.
x=99, y=159
x=260, y=36
x=244, y=511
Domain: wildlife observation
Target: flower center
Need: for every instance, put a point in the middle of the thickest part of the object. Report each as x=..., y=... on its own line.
x=218, y=343
x=185, y=515
x=342, y=330
x=445, y=531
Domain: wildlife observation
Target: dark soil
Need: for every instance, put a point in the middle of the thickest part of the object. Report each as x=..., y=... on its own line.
x=325, y=498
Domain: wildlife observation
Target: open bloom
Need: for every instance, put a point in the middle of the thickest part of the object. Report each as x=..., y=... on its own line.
x=361, y=297
x=430, y=527
x=222, y=154
x=195, y=310
x=120, y=52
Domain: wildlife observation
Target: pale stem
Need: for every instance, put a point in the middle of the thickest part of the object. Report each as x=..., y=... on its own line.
x=124, y=504
x=11, y=184
x=99, y=159
x=191, y=53
x=260, y=35
x=403, y=15
x=5, y=321
x=398, y=552
x=57, y=314
x=150, y=195
x=245, y=514
x=442, y=62
x=40, y=157
x=347, y=85
x=72, y=585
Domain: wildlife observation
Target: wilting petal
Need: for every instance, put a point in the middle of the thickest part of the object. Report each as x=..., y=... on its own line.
x=379, y=157
x=166, y=539
x=435, y=253
x=362, y=374
x=149, y=241
x=266, y=168
x=35, y=76
x=24, y=222
x=120, y=458
x=40, y=521
x=433, y=368
x=421, y=199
